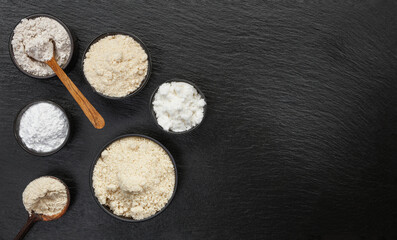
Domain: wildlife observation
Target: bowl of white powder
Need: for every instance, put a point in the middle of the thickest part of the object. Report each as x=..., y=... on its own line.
x=42, y=128
x=178, y=106
x=40, y=27
x=116, y=65
x=133, y=178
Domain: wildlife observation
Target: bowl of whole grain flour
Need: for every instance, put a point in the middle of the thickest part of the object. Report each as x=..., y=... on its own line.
x=39, y=28
x=133, y=178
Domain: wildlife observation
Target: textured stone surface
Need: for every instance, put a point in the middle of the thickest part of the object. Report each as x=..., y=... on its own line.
x=299, y=141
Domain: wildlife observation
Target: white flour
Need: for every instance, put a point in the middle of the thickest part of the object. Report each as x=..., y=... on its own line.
x=178, y=106
x=43, y=127
x=40, y=49
x=40, y=29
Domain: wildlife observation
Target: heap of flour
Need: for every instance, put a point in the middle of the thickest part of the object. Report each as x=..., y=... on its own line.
x=116, y=65
x=178, y=106
x=134, y=177
x=45, y=195
x=40, y=49
x=43, y=127
x=40, y=30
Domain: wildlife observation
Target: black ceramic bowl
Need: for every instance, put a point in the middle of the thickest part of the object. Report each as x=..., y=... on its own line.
x=107, y=209
x=12, y=51
x=18, y=138
x=149, y=59
x=154, y=114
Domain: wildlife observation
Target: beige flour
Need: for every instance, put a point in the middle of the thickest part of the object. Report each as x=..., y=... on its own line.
x=134, y=177
x=116, y=65
x=45, y=195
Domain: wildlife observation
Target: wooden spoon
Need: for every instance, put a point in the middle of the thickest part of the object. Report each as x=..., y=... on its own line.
x=34, y=217
x=92, y=114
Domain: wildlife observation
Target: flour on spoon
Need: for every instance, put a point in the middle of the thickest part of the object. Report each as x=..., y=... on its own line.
x=40, y=49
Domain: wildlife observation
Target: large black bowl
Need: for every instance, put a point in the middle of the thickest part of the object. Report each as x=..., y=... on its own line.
x=107, y=209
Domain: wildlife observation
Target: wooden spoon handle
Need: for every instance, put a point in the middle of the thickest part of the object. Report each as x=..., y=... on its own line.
x=92, y=114
x=25, y=229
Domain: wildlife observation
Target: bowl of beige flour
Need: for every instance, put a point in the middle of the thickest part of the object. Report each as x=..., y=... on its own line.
x=133, y=178
x=116, y=65
x=40, y=27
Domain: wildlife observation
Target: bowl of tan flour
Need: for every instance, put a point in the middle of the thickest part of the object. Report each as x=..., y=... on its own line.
x=133, y=178
x=40, y=27
x=116, y=65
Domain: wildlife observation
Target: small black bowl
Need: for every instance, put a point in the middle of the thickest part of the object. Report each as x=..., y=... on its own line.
x=154, y=114
x=149, y=59
x=18, y=138
x=107, y=209
x=12, y=51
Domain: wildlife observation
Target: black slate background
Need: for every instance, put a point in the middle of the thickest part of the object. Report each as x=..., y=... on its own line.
x=299, y=141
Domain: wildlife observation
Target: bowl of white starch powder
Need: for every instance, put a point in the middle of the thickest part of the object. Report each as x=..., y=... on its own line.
x=178, y=106
x=134, y=178
x=40, y=27
x=42, y=128
x=116, y=65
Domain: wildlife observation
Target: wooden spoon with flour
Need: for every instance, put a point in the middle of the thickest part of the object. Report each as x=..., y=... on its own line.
x=43, y=51
x=35, y=217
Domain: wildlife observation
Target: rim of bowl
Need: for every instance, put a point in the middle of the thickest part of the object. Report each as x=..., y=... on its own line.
x=178, y=80
x=107, y=209
x=32, y=16
x=138, y=40
x=16, y=129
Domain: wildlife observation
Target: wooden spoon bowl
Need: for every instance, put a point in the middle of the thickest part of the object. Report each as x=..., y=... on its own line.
x=35, y=217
